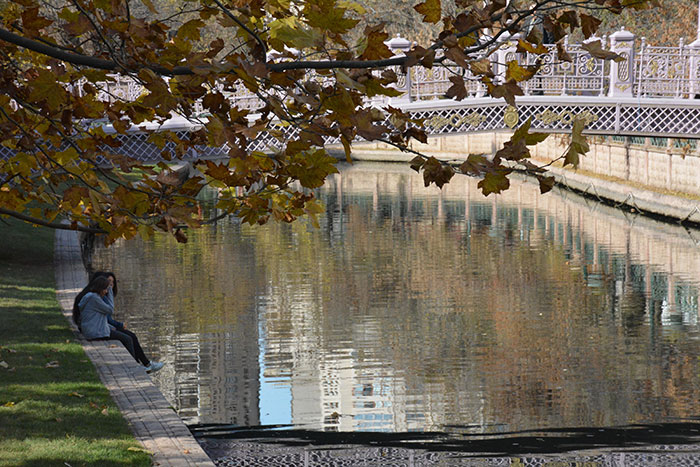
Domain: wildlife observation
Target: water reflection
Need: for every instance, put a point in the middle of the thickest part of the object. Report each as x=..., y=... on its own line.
x=417, y=309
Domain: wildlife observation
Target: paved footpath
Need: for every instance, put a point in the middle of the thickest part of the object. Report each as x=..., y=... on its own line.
x=153, y=421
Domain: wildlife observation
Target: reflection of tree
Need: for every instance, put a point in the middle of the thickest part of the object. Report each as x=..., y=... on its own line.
x=504, y=314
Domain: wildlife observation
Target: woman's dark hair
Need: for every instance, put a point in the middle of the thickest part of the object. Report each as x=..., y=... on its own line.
x=107, y=274
x=97, y=284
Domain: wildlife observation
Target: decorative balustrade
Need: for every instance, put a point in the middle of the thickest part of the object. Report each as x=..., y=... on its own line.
x=646, y=72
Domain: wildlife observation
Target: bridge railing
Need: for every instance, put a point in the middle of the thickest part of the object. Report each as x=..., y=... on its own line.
x=665, y=71
x=646, y=71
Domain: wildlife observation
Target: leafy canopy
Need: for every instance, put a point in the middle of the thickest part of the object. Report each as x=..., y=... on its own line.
x=64, y=115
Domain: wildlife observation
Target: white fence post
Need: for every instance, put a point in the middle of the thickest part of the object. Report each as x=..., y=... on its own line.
x=693, y=72
x=399, y=46
x=504, y=55
x=622, y=72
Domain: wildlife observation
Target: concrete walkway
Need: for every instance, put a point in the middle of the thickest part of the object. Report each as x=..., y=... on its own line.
x=153, y=421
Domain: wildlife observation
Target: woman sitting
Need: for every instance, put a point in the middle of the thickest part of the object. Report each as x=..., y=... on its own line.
x=92, y=312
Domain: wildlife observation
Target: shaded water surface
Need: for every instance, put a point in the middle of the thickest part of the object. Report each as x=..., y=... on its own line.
x=412, y=309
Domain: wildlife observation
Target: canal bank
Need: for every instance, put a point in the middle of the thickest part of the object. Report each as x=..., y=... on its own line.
x=154, y=423
x=654, y=176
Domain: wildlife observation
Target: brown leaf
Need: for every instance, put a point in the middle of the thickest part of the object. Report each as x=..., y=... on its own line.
x=495, y=182
x=546, y=183
x=180, y=236
x=376, y=48
x=596, y=50
x=508, y=91
x=562, y=54
x=457, y=90
x=482, y=67
x=416, y=133
x=474, y=165
x=417, y=163
x=589, y=25
x=431, y=10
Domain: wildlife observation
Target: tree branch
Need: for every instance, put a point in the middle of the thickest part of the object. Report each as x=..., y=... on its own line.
x=53, y=225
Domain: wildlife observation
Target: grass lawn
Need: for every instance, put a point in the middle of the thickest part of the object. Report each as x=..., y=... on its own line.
x=53, y=408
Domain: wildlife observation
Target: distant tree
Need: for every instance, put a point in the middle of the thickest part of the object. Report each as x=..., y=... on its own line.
x=663, y=26
x=313, y=63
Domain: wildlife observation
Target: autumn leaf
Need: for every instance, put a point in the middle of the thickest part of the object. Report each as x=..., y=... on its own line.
x=180, y=236
x=523, y=133
x=431, y=10
x=495, y=181
x=589, y=25
x=482, y=67
x=436, y=172
x=508, y=91
x=519, y=73
x=376, y=48
x=417, y=163
x=525, y=46
x=32, y=22
x=579, y=145
x=457, y=91
x=595, y=49
x=474, y=165
x=366, y=128
x=546, y=183
x=416, y=133
x=562, y=54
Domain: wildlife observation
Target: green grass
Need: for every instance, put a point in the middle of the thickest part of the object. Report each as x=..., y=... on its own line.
x=50, y=413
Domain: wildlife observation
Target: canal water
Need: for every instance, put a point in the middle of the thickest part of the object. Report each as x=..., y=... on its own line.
x=418, y=310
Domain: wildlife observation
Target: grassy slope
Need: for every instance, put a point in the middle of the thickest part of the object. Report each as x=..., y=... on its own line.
x=44, y=420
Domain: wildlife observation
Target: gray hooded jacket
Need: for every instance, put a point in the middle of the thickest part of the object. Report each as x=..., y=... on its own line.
x=93, y=316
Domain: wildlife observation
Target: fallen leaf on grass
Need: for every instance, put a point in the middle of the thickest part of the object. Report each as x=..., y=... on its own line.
x=93, y=405
x=58, y=419
x=11, y=350
x=52, y=364
x=4, y=364
x=104, y=412
x=8, y=404
x=76, y=394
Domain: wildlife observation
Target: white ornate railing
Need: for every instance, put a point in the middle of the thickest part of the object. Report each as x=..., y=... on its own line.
x=646, y=72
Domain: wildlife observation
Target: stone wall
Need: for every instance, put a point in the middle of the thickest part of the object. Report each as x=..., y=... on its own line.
x=655, y=163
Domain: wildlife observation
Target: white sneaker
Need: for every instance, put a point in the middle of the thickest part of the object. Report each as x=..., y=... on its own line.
x=154, y=366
